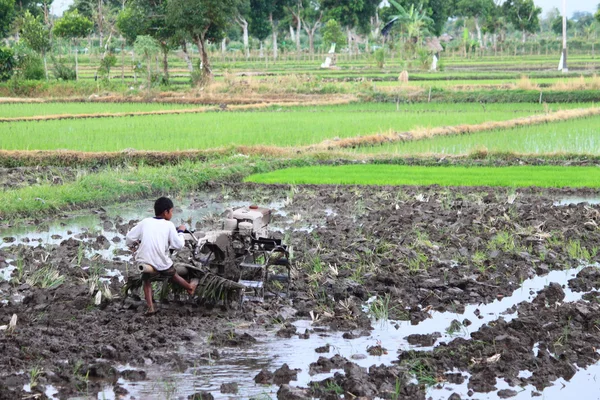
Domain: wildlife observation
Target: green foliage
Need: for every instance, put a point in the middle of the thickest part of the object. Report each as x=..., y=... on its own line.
x=35, y=34
x=7, y=63
x=146, y=46
x=332, y=33
x=523, y=14
x=7, y=15
x=557, y=25
x=62, y=72
x=132, y=22
x=351, y=13
x=106, y=63
x=73, y=25
x=379, y=57
x=29, y=65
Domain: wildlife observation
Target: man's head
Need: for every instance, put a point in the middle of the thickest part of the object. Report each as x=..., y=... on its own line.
x=163, y=207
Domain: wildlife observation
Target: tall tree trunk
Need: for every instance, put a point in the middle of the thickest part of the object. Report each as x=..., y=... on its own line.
x=122, y=60
x=261, y=52
x=298, y=29
x=274, y=26
x=186, y=56
x=76, y=61
x=310, y=31
x=165, y=51
x=223, y=47
x=206, y=71
x=524, y=37
x=292, y=33
x=244, y=24
x=45, y=65
x=349, y=33
x=134, y=68
x=478, y=28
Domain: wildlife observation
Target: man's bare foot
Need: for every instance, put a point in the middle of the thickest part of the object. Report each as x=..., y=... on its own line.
x=150, y=312
x=193, y=287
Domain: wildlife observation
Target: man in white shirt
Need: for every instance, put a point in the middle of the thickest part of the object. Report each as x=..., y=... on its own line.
x=155, y=237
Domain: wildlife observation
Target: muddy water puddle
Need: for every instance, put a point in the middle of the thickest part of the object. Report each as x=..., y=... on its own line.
x=567, y=201
x=241, y=366
x=102, y=222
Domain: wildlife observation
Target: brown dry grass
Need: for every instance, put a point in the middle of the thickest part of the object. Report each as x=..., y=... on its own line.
x=526, y=84
x=577, y=84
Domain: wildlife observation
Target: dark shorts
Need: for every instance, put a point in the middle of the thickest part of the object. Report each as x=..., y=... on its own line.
x=167, y=273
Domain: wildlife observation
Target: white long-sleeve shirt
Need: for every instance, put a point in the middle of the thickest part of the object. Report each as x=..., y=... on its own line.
x=156, y=237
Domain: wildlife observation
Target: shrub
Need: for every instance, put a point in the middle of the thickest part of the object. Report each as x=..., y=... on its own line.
x=379, y=57
x=7, y=63
x=62, y=72
x=107, y=62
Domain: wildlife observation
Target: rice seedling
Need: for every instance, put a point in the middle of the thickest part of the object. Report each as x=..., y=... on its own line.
x=519, y=176
x=555, y=135
x=380, y=308
x=299, y=126
x=46, y=278
x=12, y=110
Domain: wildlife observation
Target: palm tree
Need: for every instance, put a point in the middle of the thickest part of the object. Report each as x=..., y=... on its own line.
x=415, y=21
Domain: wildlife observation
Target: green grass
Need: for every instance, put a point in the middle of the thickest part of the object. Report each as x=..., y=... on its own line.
x=36, y=109
x=444, y=176
x=579, y=136
x=276, y=127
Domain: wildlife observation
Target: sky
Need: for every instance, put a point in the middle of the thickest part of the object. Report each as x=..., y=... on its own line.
x=58, y=6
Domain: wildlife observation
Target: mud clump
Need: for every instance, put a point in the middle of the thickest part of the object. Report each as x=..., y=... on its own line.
x=423, y=340
x=284, y=375
x=229, y=388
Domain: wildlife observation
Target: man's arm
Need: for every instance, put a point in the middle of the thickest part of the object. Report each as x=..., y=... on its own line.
x=134, y=235
x=176, y=240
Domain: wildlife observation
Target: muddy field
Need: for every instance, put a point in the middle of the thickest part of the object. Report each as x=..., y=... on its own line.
x=397, y=293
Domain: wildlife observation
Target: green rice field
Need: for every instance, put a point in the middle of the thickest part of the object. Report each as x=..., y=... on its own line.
x=544, y=176
x=11, y=110
x=580, y=136
x=277, y=126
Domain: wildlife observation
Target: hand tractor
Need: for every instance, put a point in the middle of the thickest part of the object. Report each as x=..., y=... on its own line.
x=236, y=262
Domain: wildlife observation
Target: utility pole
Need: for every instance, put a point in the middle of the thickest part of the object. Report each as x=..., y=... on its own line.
x=563, y=58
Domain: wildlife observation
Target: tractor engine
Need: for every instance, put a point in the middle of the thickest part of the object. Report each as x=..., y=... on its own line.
x=247, y=223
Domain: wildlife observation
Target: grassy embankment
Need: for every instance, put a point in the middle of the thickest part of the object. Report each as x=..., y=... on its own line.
x=540, y=176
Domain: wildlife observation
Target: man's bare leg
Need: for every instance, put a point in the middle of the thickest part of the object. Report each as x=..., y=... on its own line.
x=189, y=287
x=148, y=296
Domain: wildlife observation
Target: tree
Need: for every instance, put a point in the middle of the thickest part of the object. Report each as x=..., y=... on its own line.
x=147, y=46
x=7, y=15
x=7, y=63
x=148, y=17
x=203, y=21
x=523, y=14
x=414, y=20
x=259, y=25
x=241, y=18
x=478, y=10
x=332, y=33
x=351, y=14
x=557, y=25
x=597, y=15
x=73, y=26
x=37, y=36
x=311, y=16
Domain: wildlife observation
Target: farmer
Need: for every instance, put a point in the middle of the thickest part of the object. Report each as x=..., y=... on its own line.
x=155, y=237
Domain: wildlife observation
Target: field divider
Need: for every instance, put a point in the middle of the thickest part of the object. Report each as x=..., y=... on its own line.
x=425, y=133
x=223, y=107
